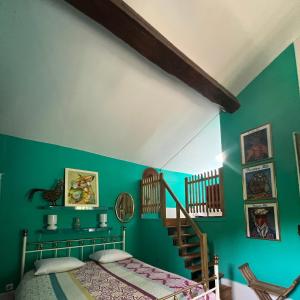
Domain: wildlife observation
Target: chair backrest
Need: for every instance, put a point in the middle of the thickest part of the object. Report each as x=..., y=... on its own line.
x=263, y=289
x=247, y=273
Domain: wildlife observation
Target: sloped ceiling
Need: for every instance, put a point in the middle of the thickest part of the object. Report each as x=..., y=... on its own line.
x=232, y=40
x=66, y=80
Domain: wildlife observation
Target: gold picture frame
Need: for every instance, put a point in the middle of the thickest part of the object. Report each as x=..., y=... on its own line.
x=81, y=188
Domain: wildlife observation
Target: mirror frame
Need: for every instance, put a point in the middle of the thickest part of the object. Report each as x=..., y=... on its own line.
x=133, y=208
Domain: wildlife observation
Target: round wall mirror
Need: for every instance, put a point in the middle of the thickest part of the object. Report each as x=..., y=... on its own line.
x=124, y=207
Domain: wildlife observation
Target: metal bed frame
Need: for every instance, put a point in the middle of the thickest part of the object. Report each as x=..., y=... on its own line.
x=68, y=245
x=107, y=242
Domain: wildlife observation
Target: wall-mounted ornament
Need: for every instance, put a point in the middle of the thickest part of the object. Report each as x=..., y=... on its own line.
x=52, y=222
x=256, y=144
x=262, y=221
x=259, y=182
x=81, y=188
x=124, y=207
x=51, y=195
x=103, y=220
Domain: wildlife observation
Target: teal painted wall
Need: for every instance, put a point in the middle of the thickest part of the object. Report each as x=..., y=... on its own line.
x=271, y=98
x=157, y=248
x=27, y=164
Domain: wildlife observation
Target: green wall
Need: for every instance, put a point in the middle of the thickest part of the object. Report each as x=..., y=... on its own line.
x=271, y=98
x=27, y=164
x=157, y=248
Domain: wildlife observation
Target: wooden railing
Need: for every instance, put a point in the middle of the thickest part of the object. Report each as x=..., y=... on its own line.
x=153, y=190
x=204, y=194
x=151, y=194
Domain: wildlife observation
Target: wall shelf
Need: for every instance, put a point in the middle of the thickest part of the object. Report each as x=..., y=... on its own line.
x=62, y=207
x=73, y=230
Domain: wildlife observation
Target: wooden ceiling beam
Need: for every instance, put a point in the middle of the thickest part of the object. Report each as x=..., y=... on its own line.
x=125, y=23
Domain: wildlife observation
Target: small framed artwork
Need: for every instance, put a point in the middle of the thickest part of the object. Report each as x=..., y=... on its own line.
x=81, y=188
x=262, y=221
x=296, y=136
x=259, y=182
x=256, y=144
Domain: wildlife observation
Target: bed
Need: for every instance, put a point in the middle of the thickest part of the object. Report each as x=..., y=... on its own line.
x=124, y=279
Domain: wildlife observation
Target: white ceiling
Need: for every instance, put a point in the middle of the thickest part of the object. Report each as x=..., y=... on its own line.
x=65, y=80
x=232, y=40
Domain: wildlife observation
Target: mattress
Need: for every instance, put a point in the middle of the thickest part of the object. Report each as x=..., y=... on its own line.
x=123, y=280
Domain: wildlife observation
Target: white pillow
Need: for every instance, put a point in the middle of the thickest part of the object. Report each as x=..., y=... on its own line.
x=111, y=255
x=55, y=265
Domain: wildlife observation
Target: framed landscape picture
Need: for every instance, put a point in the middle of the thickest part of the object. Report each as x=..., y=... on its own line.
x=81, y=188
x=296, y=136
x=259, y=182
x=262, y=221
x=256, y=144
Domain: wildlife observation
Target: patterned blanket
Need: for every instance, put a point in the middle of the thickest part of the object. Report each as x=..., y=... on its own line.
x=128, y=279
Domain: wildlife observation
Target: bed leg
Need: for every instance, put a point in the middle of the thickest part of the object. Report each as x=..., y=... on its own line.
x=217, y=280
x=25, y=234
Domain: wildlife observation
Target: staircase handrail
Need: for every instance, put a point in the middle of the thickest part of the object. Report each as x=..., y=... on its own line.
x=187, y=216
x=202, y=236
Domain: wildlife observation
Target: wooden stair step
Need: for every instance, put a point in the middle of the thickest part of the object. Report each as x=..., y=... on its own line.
x=194, y=268
x=191, y=256
x=183, y=235
x=190, y=245
x=173, y=222
x=181, y=226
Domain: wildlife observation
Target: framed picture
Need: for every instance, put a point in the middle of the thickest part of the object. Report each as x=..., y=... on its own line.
x=259, y=182
x=262, y=221
x=256, y=144
x=296, y=136
x=81, y=188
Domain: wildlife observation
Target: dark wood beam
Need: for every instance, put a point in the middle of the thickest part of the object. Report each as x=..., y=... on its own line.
x=125, y=23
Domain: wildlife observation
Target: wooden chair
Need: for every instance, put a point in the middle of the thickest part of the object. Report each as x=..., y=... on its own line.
x=263, y=289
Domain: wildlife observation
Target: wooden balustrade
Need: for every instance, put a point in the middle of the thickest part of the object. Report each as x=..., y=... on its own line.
x=152, y=194
x=204, y=194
